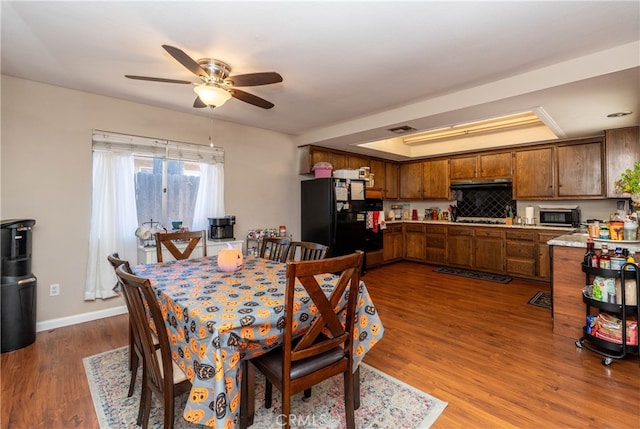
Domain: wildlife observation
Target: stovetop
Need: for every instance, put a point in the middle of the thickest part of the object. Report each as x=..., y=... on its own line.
x=482, y=220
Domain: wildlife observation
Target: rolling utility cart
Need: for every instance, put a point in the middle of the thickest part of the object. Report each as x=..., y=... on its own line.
x=619, y=313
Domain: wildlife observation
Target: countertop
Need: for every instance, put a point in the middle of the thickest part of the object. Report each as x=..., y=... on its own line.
x=567, y=237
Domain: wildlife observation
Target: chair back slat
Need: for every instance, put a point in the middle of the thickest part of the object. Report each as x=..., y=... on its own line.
x=306, y=251
x=274, y=248
x=146, y=313
x=309, y=275
x=168, y=239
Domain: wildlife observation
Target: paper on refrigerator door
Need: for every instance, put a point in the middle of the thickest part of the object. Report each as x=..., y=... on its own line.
x=357, y=191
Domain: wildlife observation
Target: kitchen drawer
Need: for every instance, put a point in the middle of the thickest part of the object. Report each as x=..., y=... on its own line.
x=412, y=227
x=521, y=267
x=520, y=235
x=393, y=228
x=518, y=249
x=543, y=237
x=492, y=233
x=436, y=241
x=460, y=231
x=436, y=229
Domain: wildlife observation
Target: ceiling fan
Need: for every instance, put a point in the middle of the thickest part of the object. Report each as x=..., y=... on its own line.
x=217, y=86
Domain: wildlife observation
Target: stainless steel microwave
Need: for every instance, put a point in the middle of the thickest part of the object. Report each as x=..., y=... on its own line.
x=560, y=215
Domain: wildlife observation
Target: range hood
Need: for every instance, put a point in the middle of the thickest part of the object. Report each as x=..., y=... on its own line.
x=480, y=183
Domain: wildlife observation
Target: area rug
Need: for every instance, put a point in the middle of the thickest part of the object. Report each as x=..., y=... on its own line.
x=496, y=278
x=385, y=402
x=541, y=299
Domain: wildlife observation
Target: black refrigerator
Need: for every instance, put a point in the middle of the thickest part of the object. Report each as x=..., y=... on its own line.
x=333, y=214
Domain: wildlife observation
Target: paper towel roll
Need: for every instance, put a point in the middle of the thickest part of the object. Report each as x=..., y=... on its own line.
x=528, y=214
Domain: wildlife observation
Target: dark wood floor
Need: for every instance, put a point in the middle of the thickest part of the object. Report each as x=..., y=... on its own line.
x=477, y=345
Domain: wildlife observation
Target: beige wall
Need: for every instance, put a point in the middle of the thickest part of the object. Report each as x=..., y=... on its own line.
x=46, y=175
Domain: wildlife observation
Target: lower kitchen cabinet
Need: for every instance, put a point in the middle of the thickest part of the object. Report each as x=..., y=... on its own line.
x=520, y=253
x=415, y=243
x=436, y=246
x=488, y=245
x=543, y=260
x=374, y=258
x=460, y=246
x=392, y=243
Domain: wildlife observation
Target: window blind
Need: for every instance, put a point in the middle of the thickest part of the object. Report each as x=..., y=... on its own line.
x=156, y=148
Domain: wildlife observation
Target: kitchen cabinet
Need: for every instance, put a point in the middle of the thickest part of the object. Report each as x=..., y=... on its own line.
x=460, y=246
x=520, y=253
x=411, y=181
x=534, y=174
x=495, y=165
x=310, y=155
x=481, y=166
x=488, y=246
x=354, y=162
x=377, y=168
x=579, y=170
x=543, y=255
x=391, y=180
x=464, y=167
x=564, y=171
x=415, y=242
x=622, y=150
x=392, y=243
x=435, y=179
x=436, y=244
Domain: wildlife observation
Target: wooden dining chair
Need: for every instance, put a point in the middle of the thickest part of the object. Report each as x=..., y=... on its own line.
x=274, y=248
x=306, y=251
x=326, y=348
x=161, y=375
x=167, y=239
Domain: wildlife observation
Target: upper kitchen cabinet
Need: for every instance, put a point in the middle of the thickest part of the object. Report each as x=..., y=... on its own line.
x=464, y=168
x=622, y=148
x=391, y=180
x=385, y=177
x=411, y=181
x=533, y=174
x=310, y=155
x=481, y=166
x=573, y=169
x=354, y=162
x=579, y=168
x=435, y=179
x=495, y=165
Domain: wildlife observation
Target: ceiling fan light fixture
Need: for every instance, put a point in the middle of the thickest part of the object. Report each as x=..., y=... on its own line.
x=212, y=95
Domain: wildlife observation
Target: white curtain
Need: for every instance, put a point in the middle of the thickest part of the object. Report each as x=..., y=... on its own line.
x=210, y=198
x=113, y=221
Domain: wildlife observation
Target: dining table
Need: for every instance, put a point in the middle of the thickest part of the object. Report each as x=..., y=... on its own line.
x=216, y=321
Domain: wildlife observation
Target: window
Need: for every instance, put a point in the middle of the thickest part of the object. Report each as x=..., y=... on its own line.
x=137, y=179
x=166, y=190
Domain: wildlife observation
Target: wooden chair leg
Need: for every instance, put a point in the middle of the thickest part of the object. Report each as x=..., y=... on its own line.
x=349, y=399
x=268, y=389
x=147, y=409
x=356, y=389
x=132, y=354
x=134, y=373
x=247, y=395
x=307, y=394
x=168, y=410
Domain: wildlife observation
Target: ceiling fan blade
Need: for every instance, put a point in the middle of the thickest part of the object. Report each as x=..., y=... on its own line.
x=186, y=61
x=255, y=79
x=157, y=79
x=251, y=99
x=199, y=104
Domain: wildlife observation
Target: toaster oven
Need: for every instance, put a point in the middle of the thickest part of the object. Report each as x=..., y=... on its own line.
x=560, y=215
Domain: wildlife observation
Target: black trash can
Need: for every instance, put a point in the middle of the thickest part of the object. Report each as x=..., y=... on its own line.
x=18, y=285
x=18, y=312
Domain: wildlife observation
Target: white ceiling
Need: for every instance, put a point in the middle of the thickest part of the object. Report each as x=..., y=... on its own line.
x=351, y=69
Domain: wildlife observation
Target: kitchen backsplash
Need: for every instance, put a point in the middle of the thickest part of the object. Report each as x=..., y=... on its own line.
x=485, y=202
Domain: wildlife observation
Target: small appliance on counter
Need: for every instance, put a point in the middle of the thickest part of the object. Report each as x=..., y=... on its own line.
x=560, y=215
x=221, y=228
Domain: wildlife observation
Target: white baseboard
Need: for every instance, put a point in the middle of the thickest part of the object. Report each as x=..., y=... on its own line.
x=79, y=318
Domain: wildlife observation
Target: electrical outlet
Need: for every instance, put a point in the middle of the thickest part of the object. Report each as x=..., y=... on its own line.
x=54, y=289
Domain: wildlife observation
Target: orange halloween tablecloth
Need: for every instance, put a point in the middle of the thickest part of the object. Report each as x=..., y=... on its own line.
x=216, y=319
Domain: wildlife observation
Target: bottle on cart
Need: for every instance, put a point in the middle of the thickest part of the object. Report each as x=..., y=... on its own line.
x=589, y=253
x=605, y=259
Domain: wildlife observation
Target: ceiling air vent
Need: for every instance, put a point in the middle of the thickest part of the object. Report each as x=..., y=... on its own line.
x=402, y=129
